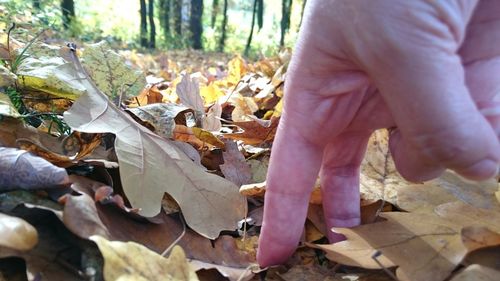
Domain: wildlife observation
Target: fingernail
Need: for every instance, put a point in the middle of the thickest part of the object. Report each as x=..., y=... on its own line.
x=492, y=111
x=482, y=170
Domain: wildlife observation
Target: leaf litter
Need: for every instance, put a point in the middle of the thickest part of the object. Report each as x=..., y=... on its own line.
x=190, y=139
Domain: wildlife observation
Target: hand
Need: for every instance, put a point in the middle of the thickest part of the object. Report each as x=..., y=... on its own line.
x=429, y=69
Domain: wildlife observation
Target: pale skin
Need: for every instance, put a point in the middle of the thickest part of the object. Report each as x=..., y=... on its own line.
x=427, y=69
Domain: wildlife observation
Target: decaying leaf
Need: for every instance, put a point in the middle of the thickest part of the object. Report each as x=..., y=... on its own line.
x=6, y=107
x=477, y=272
x=461, y=213
x=110, y=73
x=80, y=217
x=161, y=117
x=151, y=165
x=7, y=78
x=259, y=189
x=20, y=169
x=17, y=233
x=423, y=246
x=255, y=132
x=188, y=91
x=235, y=168
x=131, y=261
x=477, y=237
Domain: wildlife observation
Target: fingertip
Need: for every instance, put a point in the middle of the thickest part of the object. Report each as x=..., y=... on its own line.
x=482, y=170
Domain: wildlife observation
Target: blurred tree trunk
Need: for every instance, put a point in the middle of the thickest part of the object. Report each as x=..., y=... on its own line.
x=152, y=27
x=260, y=13
x=302, y=12
x=222, y=41
x=36, y=5
x=165, y=17
x=177, y=16
x=215, y=11
x=286, y=8
x=68, y=12
x=249, y=41
x=144, y=24
x=195, y=24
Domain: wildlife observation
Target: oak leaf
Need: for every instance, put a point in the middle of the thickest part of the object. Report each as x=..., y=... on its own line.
x=423, y=246
x=17, y=233
x=151, y=165
x=235, y=168
x=254, y=132
x=477, y=272
x=131, y=261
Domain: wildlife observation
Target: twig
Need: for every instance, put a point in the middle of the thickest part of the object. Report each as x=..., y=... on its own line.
x=387, y=271
x=169, y=248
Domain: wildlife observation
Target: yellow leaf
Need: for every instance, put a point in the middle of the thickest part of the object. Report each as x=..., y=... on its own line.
x=17, y=233
x=132, y=261
x=207, y=137
x=236, y=69
x=6, y=107
x=211, y=93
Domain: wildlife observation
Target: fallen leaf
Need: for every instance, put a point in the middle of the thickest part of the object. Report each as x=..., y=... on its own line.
x=259, y=189
x=212, y=122
x=477, y=237
x=161, y=118
x=254, y=132
x=477, y=272
x=131, y=261
x=244, y=107
x=110, y=73
x=7, y=78
x=147, y=162
x=6, y=107
x=211, y=93
x=423, y=197
x=464, y=214
x=231, y=273
x=51, y=75
x=188, y=91
x=17, y=233
x=235, y=168
x=423, y=246
x=80, y=217
x=20, y=169
x=379, y=179
x=199, y=138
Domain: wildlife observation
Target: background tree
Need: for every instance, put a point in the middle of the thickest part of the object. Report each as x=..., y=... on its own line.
x=302, y=12
x=222, y=40
x=215, y=11
x=286, y=8
x=68, y=12
x=144, y=24
x=177, y=16
x=164, y=13
x=152, y=27
x=195, y=24
x=37, y=5
x=258, y=10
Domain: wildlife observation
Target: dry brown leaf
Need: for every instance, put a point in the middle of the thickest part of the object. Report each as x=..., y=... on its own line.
x=161, y=118
x=464, y=214
x=188, y=91
x=477, y=237
x=131, y=261
x=151, y=165
x=254, y=132
x=80, y=217
x=380, y=181
x=235, y=168
x=231, y=273
x=477, y=272
x=199, y=138
x=17, y=234
x=424, y=246
x=160, y=235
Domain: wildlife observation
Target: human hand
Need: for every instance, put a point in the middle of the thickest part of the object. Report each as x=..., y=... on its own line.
x=428, y=69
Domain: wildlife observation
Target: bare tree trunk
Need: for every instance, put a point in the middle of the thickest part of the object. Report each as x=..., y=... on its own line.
x=249, y=41
x=144, y=25
x=68, y=12
x=177, y=16
x=222, y=41
x=215, y=11
x=286, y=8
x=195, y=24
x=152, y=27
x=302, y=12
x=165, y=17
x=37, y=5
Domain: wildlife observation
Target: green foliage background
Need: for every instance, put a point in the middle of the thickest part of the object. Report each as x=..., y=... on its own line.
x=117, y=21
